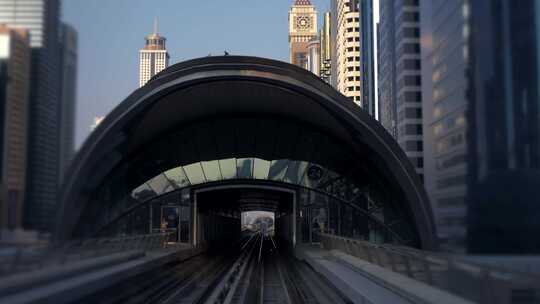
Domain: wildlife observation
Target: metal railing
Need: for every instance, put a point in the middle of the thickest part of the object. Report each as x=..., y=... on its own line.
x=17, y=259
x=479, y=283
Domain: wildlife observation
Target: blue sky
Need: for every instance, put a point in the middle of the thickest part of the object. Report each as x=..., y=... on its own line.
x=112, y=31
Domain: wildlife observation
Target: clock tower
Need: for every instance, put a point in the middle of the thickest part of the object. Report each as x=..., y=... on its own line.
x=302, y=28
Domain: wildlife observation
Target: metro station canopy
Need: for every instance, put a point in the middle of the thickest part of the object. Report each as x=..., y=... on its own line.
x=232, y=118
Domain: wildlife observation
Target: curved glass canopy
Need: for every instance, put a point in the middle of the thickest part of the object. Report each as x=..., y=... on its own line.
x=300, y=173
x=322, y=185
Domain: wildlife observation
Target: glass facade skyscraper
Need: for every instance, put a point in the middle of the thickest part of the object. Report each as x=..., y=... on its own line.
x=400, y=98
x=368, y=56
x=29, y=15
x=482, y=123
x=68, y=40
x=41, y=18
x=445, y=58
x=504, y=118
x=14, y=85
x=386, y=68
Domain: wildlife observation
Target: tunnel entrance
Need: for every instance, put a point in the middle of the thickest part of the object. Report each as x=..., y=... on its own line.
x=219, y=212
x=244, y=121
x=247, y=253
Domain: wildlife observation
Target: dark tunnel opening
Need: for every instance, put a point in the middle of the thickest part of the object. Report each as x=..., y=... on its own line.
x=219, y=214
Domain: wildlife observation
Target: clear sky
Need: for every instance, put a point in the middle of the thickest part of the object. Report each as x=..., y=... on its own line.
x=111, y=32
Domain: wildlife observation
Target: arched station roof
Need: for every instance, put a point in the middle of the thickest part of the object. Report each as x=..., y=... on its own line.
x=218, y=108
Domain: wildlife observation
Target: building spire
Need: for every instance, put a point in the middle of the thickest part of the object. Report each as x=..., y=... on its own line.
x=155, y=26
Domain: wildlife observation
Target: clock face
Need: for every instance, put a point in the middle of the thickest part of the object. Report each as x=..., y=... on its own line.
x=303, y=22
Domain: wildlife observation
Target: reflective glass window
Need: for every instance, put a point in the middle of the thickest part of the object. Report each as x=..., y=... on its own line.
x=195, y=173
x=292, y=175
x=211, y=170
x=143, y=192
x=302, y=168
x=261, y=168
x=278, y=168
x=228, y=168
x=245, y=167
x=185, y=196
x=178, y=177
x=160, y=184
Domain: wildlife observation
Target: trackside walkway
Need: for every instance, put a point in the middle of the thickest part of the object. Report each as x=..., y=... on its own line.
x=364, y=282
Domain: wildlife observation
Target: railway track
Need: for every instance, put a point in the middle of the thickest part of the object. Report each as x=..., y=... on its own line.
x=254, y=270
x=265, y=275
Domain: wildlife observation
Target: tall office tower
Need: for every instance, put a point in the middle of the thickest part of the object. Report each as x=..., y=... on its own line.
x=367, y=56
x=377, y=54
x=445, y=62
x=386, y=58
x=482, y=123
x=68, y=64
x=346, y=63
x=326, y=49
x=503, y=116
x=153, y=58
x=302, y=28
x=41, y=18
x=14, y=97
x=314, y=56
x=400, y=84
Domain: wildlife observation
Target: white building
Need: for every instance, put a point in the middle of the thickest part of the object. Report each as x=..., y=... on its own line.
x=346, y=56
x=314, y=56
x=153, y=58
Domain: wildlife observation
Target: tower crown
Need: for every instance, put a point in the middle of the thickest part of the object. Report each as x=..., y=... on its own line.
x=154, y=41
x=302, y=2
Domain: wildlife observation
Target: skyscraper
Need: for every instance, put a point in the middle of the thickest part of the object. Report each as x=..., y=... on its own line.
x=302, y=29
x=445, y=64
x=482, y=123
x=30, y=15
x=153, y=58
x=387, y=68
x=41, y=18
x=400, y=99
x=326, y=49
x=68, y=41
x=367, y=56
x=503, y=119
x=14, y=97
x=314, y=56
x=345, y=35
